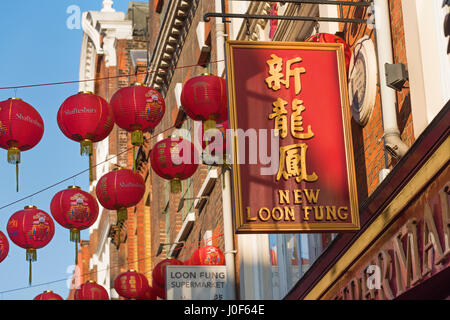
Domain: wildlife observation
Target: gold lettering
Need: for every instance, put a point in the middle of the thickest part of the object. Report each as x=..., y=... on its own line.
x=276, y=76
x=297, y=129
x=318, y=216
x=384, y=261
x=430, y=241
x=249, y=218
x=310, y=196
x=264, y=209
x=444, y=195
x=297, y=196
x=280, y=214
x=289, y=213
x=293, y=163
x=284, y=196
x=279, y=114
x=306, y=210
x=331, y=213
x=342, y=216
x=407, y=266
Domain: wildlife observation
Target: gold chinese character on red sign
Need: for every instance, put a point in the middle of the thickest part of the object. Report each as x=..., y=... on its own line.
x=293, y=163
x=277, y=77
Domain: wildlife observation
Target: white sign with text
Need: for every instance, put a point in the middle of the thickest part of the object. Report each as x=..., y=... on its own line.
x=196, y=282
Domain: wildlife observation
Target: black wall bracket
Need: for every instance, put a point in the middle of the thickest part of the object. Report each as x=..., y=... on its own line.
x=207, y=17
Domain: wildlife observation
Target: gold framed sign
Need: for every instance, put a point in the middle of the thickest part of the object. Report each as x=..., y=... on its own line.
x=292, y=159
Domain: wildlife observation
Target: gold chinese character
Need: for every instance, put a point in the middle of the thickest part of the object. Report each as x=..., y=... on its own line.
x=297, y=121
x=276, y=76
x=293, y=163
x=279, y=114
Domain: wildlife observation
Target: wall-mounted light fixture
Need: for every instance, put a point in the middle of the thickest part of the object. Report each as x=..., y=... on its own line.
x=182, y=200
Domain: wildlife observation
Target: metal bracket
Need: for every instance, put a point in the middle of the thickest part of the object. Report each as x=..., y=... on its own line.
x=207, y=17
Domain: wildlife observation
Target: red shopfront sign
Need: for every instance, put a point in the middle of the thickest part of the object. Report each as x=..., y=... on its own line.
x=296, y=91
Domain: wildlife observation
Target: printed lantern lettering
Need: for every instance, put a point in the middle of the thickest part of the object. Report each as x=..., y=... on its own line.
x=209, y=255
x=131, y=284
x=4, y=246
x=86, y=118
x=159, y=272
x=48, y=295
x=204, y=98
x=76, y=210
x=91, y=291
x=118, y=190
x=21, y=129
x=331, y=38
x=31, y=229
x=174, y=159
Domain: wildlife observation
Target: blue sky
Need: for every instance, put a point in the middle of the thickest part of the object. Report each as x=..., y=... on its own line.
x=37, y=47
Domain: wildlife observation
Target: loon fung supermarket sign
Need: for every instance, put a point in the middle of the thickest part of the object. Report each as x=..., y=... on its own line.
x=297, y=92
x=196, y=283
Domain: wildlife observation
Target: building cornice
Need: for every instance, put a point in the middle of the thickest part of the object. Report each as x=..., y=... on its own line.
x=170, y=41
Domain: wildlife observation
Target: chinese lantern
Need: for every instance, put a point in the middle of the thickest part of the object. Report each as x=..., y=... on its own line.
x=118, y=190
x=159, y=272
x=149, y=294
x=4, y=246
x=187, y=262
x=209, y=255
x=86, y=118
x=331, y=38
x=31, y=229
x=131, y=284
x=160, y=291
x=76, y=210
x=204, y=98
x=21, y=128
x=174, y=159
x=137, y=109
x=48, y=295
x=91, y=291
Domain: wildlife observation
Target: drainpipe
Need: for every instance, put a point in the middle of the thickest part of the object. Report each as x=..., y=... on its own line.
x=230, y=252
x=393, y=143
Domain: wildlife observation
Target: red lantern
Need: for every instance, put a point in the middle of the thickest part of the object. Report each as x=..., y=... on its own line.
x=204, y=98
x=31, y=229
x=187, y=262
x=21, y=128
x=159, y=272
x=91, y=291
x=131, y=284
x=48, y=295
x=149, y=294
x=209, y=255
x=331, y=38
x=120, y=189
x=76, y=210
x=174, y=159
x=138, y=109
x=160, y=291
x=86, y=118
x=4, y=246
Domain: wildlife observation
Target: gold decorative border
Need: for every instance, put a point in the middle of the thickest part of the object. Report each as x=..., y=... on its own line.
x=240, y=226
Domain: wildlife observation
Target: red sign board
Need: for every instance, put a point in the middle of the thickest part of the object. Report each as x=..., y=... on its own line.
x=293, y=168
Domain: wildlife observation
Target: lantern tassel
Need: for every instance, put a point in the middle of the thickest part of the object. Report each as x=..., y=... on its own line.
x=31, y=255
x=75, y=237
x=134, y=159
x=175, y=185
x=210, y=125
x=86, y=147
x=137, y=138
x=14, y=158
x=91, y=173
